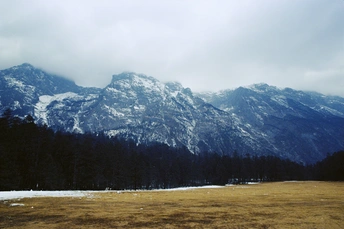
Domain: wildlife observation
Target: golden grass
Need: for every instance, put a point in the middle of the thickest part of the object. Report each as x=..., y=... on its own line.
x=267, y=205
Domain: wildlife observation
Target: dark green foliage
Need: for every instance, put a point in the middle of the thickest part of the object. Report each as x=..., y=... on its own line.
x=331, y=168
x=35, y=157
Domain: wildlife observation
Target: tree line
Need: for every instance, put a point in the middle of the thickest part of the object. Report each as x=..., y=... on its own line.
x=38, y=158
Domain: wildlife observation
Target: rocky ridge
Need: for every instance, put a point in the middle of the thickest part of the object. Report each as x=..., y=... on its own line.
x=255, y=120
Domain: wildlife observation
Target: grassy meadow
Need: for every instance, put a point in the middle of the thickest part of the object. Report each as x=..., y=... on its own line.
x=267, y=205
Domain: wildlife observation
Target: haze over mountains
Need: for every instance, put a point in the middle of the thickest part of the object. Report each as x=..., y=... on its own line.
x=256, y=120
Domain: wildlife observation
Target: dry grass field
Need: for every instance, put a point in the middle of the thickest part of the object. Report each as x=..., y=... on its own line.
x=267, y=205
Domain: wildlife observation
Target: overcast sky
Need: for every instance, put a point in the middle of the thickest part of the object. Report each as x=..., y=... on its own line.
x=205, y=45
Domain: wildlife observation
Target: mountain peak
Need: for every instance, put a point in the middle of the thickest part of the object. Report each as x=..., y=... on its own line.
x=133, y=81
x=33, y=82
x=174, y=86
x=131, y=76
x=262, y=87
x=26, y=65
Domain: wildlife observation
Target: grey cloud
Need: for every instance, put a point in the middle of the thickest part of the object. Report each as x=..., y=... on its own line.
x=205, y=45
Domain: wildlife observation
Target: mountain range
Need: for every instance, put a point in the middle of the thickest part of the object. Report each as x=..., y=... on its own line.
x=255, y=120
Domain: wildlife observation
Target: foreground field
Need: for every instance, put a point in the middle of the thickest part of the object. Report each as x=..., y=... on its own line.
x=268, y=205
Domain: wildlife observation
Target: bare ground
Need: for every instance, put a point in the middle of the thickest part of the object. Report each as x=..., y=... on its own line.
x=268, y=205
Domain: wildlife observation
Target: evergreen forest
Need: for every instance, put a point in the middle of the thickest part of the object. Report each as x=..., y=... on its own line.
x=35, y=157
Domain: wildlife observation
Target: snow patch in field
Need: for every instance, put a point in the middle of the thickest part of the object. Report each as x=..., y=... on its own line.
x=16, y=204
x=29, y=194
x=252, y=183
x=190, y=188
x=10, y=195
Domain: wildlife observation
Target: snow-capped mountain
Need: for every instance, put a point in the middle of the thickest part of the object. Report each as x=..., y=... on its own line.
x=301, y=126
x=22, y=86
x=256, y=120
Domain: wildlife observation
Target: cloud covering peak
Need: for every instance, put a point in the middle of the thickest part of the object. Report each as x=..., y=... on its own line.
x=205, y=45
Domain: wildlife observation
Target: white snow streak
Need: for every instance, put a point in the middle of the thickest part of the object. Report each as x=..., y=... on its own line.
x=29, y=194
x=45, y=100
x=10, y=195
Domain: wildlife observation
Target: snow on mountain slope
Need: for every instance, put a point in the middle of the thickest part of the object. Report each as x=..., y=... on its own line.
x=256, y=120
x=64, y=104
x=22, y=85
x=297, y=125
x=45, y=100
x=142, y=108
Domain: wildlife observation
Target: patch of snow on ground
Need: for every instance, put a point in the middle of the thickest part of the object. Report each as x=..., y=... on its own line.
x=8, y=195
x=190, y=188
x=16, y=204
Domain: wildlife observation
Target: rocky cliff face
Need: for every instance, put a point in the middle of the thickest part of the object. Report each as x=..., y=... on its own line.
x=256, y=120
x=22, y=85
x=297, y=125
